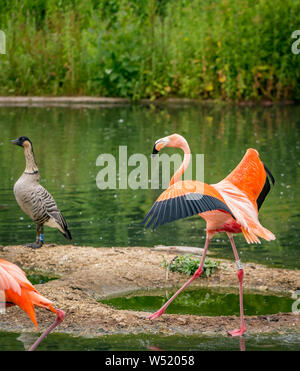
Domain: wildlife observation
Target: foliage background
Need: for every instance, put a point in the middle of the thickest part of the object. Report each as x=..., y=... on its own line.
x=207, y=49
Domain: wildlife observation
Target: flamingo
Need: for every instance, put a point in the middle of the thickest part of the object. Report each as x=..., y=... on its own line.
x=19, y=291
x=230, y=206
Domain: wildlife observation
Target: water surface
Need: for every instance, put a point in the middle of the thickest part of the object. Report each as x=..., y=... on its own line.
x=203, y=302
x=143, y=342
x=67, y=142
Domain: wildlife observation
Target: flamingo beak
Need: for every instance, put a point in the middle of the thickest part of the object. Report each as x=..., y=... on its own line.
x=159, y=144
x=155, y=151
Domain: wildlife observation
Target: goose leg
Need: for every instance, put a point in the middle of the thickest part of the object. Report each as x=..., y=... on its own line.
x=39, y=238
x=242, y=329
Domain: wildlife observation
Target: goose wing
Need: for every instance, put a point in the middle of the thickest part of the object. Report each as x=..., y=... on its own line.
x=45, y=211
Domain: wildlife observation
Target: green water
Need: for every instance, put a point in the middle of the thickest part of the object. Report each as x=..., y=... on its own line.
x=37, y=277
x=67, y=142
x=142, y=342
x=203, y=302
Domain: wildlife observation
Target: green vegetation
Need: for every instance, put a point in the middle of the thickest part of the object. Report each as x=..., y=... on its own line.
x=212, y=49
x=188, y=264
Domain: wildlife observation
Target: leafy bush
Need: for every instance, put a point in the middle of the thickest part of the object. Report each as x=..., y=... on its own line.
x=221, y=49
x=188, y=264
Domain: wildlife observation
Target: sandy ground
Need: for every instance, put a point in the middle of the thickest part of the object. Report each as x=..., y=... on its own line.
x=88, y=274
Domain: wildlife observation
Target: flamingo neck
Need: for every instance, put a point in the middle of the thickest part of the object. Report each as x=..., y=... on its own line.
x=186, y=160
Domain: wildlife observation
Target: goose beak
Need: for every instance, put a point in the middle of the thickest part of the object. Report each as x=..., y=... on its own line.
x=15, y=141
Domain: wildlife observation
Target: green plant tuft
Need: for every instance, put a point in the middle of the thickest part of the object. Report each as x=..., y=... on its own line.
x=188, y=264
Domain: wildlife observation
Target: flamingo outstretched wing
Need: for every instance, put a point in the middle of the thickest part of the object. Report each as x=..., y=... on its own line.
x=244, y=190
x=252, y=177
x=183, y=199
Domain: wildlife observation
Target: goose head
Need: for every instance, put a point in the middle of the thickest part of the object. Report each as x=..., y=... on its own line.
x=22, y=142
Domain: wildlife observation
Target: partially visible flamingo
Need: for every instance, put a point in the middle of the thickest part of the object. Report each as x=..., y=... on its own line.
x=19, y=291
x=230, y=206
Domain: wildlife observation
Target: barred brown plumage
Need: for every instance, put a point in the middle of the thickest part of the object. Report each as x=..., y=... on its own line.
x=35, y=200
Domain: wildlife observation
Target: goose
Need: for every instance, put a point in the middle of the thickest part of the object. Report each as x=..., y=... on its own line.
x=35, y=200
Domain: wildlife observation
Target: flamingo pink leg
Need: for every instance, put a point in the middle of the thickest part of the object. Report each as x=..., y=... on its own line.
x=196, y=275
x=241, y=331
x=58, y=320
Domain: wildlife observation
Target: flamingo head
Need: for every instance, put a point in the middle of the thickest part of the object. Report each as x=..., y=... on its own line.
x=174, y=140
x=160, y=144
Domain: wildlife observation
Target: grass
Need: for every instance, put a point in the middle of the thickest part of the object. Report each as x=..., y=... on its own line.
x=188, y=264
x=208, y=49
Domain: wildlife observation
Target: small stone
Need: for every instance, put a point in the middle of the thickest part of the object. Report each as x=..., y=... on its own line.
x=182, y=320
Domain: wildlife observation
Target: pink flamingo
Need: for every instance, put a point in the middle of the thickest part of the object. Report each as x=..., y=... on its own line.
x=230, y=206
x=19, y=291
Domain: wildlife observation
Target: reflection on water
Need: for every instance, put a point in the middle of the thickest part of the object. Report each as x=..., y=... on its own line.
x=142, y=342
x=68, y=141
x=203, y=302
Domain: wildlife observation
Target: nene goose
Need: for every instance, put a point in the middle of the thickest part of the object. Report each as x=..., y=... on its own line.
x=35, y=200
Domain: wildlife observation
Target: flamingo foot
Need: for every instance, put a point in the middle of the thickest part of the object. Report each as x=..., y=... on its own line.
x=60, y=315
x=157, y=314
x=237, y=332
